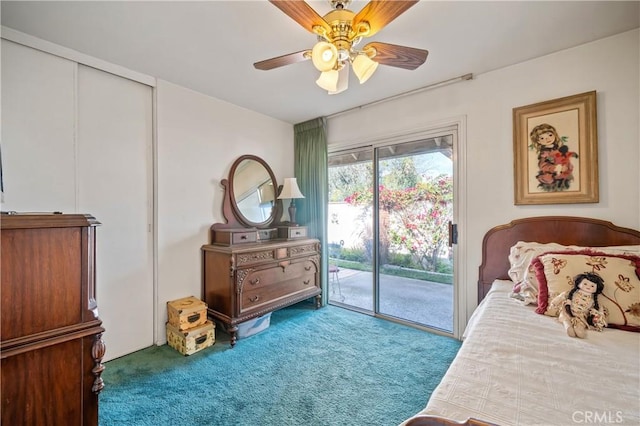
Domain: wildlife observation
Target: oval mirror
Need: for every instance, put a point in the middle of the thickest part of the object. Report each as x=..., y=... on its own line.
x=252, y=188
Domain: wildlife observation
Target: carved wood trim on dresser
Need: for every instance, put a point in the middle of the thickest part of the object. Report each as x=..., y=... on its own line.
x=51, y=345
x=243, y=282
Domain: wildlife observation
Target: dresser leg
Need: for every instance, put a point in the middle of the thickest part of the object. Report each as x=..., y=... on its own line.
x=319, y=301
x=233, y=331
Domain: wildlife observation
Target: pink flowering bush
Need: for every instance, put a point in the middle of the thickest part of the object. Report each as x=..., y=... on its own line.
x=413, y=220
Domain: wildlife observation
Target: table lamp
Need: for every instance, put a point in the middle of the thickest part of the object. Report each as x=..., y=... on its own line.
x=291, y=191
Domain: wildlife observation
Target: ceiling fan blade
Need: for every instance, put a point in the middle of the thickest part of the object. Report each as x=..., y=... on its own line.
x=280, y=61
x=405, y=57
x=380, y=13
x=302, y=13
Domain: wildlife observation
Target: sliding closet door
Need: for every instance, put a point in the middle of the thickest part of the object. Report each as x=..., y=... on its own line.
x=78, y=140
x=37, y=130
x=115, y=185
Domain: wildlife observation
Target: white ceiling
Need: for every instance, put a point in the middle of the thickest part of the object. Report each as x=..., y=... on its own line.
x=210, y=46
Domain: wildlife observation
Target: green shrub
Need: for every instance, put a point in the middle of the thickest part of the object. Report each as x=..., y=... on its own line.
x=347, y=264
x=335, y=250
x=418, y=274
x=353, y=254
x=444, y=267
x=404, y=260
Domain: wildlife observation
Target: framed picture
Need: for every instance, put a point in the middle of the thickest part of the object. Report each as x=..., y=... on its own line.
x=555, y=146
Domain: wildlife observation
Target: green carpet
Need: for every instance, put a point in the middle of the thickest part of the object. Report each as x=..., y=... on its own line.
x=310, y=367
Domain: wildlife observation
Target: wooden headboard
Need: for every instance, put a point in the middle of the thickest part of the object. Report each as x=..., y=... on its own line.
x=565, y=230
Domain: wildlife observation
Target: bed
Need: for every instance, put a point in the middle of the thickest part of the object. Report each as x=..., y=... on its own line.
x=518, y=366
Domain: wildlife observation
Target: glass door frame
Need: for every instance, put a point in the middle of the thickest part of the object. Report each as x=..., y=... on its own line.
x=463, y=290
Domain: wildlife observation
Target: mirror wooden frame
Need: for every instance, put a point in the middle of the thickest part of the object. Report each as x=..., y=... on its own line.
x=230, y=209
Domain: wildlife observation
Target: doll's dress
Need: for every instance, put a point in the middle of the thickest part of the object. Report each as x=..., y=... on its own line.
x=581, y=307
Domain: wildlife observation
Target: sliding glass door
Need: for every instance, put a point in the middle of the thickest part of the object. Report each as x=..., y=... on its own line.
x=350, y=229
x=389, y=218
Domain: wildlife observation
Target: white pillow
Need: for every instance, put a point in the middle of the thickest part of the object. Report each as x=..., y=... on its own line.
x=523, y=274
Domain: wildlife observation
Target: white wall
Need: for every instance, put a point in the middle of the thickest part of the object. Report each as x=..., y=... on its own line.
x=198, y=139
x=610, y=66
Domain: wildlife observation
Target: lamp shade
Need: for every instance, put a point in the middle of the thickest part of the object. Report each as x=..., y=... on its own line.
x=343, y=80
x=290, y=189
x=328, y=80
x=364, y=67
x=324, y=56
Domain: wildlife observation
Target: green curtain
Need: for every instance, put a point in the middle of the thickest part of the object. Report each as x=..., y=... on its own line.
x=310, y=167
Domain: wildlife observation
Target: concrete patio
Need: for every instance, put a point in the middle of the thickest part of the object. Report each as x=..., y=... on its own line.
x=424, y=302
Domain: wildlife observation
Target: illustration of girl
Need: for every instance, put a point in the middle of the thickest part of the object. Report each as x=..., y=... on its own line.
x=555, y=171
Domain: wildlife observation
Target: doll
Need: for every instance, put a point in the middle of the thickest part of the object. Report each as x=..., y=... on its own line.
x=578, y=308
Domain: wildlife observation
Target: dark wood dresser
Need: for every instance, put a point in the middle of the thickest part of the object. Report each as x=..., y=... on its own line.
x=245, y=281
x=51, y=346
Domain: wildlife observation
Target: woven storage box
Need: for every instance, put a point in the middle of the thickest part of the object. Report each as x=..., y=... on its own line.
x=188, y=342
x=186, y=313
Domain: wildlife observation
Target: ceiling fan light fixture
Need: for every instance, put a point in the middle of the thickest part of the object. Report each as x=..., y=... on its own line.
x=343, y=80
x=338, y=32
x=343, y=55
x=324, y=56
x=328, y=80
x=364, y=67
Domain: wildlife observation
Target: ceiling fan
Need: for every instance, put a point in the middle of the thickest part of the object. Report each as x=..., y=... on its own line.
x=338, y=33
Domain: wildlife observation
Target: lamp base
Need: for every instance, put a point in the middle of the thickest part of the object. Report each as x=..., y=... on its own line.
x=292, y=214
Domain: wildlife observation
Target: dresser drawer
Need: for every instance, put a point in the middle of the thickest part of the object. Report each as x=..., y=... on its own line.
x=290, y=232
x=256, y=298
x=252, y=257
x=235, y=236
x=303, y=250
x=286, y=270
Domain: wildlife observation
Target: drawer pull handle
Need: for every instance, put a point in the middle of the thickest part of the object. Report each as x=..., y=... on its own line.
x=284, y=264
x=193, y=318
x=254, y=298
x=307, y=268
x=306, y=282
x=200, y=340
x=243, y=237
x=254, y=282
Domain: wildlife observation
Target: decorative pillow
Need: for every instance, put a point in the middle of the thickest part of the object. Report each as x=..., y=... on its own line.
x=620, y=298
x=522, y=253
x=523, y=274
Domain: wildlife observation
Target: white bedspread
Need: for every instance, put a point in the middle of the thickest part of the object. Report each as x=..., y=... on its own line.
x=517, y=367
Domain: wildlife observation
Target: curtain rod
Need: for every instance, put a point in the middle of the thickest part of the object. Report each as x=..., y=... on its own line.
x=410, y=92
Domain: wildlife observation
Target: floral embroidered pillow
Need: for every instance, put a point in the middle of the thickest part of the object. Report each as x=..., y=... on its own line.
x=620, y=298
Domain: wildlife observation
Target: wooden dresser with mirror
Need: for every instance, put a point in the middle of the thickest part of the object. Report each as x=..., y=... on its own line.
x=248, y=270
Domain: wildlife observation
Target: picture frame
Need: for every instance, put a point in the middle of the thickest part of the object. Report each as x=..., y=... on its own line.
x=555, y=145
